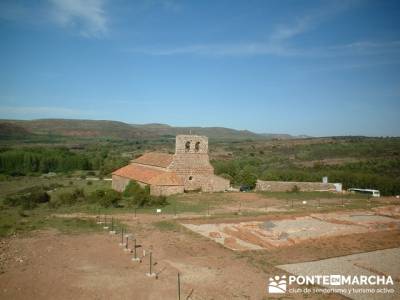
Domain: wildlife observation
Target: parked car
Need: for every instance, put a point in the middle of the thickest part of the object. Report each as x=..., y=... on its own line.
x=245, y=188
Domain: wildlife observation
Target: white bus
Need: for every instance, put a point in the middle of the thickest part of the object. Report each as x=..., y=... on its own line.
x=373, y=193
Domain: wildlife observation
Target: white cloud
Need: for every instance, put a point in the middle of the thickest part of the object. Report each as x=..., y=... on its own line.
x=217, y=49
x=287, y=31
x=362, y=48
x=310, y=20
x=277, y=42
x=367, y=48
x=87, y=16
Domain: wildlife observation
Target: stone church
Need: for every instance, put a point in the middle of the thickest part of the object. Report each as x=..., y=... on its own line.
x=189, y=169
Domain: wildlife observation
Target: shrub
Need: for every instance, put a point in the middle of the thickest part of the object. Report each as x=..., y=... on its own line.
x=96, y=195
x=158, y=201
x=69, y=198
x=110, y=198
x=106, y=198
x=40, y=196
x=247, y=178
x=140, y=197
x=28, y=200
x=132, y=189
x=78, y=193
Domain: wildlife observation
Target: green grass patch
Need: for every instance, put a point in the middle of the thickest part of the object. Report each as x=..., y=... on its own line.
x=167, y=226
x=72, y=226
x=17, y=221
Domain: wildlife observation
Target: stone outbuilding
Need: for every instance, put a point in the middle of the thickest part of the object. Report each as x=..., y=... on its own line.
x=189, y=169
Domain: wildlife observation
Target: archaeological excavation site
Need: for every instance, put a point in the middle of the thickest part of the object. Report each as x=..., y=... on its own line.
x=286, y=232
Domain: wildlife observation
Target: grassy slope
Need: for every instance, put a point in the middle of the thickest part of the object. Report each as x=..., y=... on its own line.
x=114, y=129
x=15, y=220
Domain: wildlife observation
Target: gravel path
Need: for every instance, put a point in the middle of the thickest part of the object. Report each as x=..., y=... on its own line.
x=381, y=262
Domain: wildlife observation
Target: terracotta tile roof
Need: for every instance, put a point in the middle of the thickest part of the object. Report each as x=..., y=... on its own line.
x=148, y=175
x=155, y=159
x=167, y=178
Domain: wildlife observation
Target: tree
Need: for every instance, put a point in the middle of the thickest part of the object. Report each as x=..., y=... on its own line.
x=247, y=178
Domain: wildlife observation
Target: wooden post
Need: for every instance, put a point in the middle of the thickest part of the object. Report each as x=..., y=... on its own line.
x=208, y=209
x=112, y=223
x=179, y=286
x=105, y=222
x=135, y=212
x=122, y=235
x=292, y=203
x=134, y=248
x=126, y=245
x=151, y=262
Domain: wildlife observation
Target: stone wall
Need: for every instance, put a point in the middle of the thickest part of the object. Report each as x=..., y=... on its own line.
x=215, y=183
x=285, y=186
x=206, y=183
x=165, y=190
x=119, y=183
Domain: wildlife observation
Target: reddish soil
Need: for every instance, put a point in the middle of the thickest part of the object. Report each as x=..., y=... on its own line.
x=55, y=266
x=50, y=265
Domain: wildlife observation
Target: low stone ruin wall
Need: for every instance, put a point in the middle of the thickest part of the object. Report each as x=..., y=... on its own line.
x=287, y=186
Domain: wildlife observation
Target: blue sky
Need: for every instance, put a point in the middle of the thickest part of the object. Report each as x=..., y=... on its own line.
x=300, y=67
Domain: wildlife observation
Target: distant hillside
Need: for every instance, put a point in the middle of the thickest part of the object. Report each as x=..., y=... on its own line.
x=211, y=132
x=12, y=130
x=119, y=130
x=79, y=128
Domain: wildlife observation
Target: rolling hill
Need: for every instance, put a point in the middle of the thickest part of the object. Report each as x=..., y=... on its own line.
x=119, y=130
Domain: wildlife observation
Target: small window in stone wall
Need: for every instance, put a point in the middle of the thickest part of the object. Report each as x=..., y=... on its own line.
x=187, y=146
x=190, y=177
x=197, y=146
